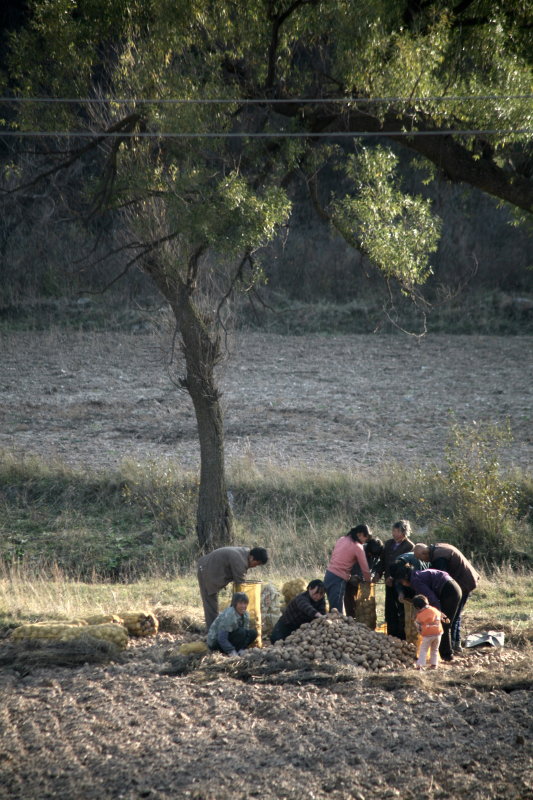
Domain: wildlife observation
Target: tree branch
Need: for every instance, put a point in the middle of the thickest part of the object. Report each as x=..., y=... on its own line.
x=277, y=22
x=451, y=157
x=126, y=125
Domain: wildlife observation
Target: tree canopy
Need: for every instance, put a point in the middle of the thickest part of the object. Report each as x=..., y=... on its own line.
x=375, y=67
x=191, y=116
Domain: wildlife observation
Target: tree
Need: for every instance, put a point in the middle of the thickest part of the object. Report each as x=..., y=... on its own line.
x=200, y=111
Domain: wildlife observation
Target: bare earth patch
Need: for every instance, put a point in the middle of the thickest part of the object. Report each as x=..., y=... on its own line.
x=352, y=402
x=132, y=729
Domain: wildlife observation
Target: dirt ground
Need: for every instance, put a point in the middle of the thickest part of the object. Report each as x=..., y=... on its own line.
x=349, y=402
x=133, y=729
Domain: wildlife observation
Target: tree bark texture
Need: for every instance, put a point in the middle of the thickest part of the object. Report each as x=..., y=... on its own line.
x=201, y=349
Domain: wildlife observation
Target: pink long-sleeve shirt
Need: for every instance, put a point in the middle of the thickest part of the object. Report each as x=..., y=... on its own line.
x=345, y=553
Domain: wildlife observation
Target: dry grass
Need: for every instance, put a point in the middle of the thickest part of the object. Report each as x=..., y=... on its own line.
x=503, y=601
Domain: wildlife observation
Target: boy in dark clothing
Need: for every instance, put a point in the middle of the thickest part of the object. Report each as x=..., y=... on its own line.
x=302, y=608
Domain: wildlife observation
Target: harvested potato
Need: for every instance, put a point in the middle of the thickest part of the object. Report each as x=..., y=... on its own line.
x=365, y=605
x=290, y=589
x=338, y=638
x=140, y=623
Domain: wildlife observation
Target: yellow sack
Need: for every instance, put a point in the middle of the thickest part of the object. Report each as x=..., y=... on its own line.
x=253, y=590
x=192, y=648
x=140, y=623
x=365, y=605
x=411, y=631
x=290, y=589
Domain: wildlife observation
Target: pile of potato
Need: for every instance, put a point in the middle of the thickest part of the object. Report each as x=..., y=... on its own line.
x=338, y=638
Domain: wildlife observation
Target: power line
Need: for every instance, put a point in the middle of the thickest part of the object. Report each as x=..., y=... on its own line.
x=262, y=100
x=258, y=135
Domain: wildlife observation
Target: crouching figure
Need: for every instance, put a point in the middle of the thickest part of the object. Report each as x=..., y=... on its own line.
x=230, y=632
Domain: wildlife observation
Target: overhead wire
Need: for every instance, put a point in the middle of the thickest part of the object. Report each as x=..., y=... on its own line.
x=262, y=100
x=259, y=135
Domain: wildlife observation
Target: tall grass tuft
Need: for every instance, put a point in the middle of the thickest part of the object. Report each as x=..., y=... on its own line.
x=139, y=520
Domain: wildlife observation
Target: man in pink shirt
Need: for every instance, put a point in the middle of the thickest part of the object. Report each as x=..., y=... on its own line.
x=347, y=551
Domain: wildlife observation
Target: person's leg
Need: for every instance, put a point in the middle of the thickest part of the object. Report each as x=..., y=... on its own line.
x=349, y=599
x=335, y=588
x=209, y=602
x=280, y=631
x=392, y=613
x=456, y=627
x=401, y=617
x=422, y=653
x=434, y=651
x=242, y=637
x=450, y=597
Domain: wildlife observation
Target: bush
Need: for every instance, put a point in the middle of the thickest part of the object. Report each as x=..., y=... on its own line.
x=484, y=503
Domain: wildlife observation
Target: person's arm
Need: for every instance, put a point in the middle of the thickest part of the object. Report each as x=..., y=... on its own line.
x=380, y=566
x=424, y=587
x=239, y=567
x=305, y=605
x=363, y=563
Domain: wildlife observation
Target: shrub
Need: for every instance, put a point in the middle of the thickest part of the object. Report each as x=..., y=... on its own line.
x=484, y=503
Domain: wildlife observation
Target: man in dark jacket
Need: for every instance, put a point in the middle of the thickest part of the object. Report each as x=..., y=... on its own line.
x=448, y=558
x=222, y=566
x=397, y=546
x=302, y=608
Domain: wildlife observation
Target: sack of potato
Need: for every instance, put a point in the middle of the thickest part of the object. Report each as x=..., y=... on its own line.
x=270, y=608
x=338, y=638
x=101, y=619
x=46, y=630
x=140, y=623
x=62, y=632
x=290, y=589
x=365, y=605
x=411, y=631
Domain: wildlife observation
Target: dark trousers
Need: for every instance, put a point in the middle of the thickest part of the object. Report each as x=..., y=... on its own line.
x=350, y=594
x=335, y=587
x=394, y=613
x=450, y=600
x=281, y=630
x=240, y=639
x=456, y=627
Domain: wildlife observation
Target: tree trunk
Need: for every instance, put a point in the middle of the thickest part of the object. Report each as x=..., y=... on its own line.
x=214, y=519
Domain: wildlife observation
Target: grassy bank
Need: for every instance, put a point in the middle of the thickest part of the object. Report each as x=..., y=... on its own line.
x=471, y=311
x=139, y=521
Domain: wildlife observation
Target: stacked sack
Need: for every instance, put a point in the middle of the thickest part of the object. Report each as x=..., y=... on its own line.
x=270, y=608
x=110, y=627
x=290, y=589
x=411, y=631
x=62, y=632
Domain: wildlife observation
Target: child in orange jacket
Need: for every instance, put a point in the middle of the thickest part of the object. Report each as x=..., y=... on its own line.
x=428, y=621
